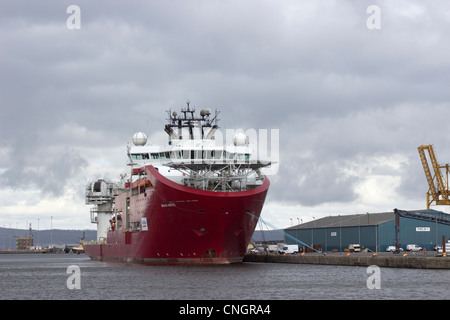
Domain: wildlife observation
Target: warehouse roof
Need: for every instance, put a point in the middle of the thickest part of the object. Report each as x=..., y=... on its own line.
x=268, y=235
x=363, y=219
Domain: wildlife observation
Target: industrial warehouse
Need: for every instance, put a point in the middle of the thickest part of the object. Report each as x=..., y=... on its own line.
x=394, y=231
x=399, y=229
x=373, y=231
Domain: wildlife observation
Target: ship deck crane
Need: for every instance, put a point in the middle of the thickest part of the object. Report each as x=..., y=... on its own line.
x=438, y=191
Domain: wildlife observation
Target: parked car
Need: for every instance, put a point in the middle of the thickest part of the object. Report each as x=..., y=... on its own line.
x=392, y=249
x=354, y=248
x=439, y=248
x=413, y=247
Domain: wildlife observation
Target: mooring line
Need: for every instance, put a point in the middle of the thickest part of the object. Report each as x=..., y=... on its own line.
x=282, y=232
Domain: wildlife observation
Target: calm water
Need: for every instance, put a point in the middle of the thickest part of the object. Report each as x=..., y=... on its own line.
x=43, y=276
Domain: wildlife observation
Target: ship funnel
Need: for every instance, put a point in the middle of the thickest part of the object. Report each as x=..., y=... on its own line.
x=212, y=131
x=170, y=132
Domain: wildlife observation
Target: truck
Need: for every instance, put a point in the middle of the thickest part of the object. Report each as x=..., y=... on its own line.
x=289, y=248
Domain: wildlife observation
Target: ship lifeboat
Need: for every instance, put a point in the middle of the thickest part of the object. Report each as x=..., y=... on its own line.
x=144, y=182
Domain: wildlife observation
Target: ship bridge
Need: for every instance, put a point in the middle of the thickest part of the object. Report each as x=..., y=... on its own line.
x=192, y=157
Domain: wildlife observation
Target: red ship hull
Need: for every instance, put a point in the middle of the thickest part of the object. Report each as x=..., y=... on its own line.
x=185, y=225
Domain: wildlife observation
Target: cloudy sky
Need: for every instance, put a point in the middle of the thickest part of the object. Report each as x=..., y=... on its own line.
x=351, y=103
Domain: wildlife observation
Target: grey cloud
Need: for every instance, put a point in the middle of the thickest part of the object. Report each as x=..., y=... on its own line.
x=30, y=172
x=311, y=182
x=313, y=70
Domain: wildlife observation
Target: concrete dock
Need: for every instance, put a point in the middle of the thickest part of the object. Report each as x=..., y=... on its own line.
x=388, y=260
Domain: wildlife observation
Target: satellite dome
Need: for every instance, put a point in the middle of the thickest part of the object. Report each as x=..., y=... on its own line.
x=239, y=139
x=139, y=139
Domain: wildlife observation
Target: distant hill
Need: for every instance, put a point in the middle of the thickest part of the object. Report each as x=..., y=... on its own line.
x=45, y=237
x=62, y=237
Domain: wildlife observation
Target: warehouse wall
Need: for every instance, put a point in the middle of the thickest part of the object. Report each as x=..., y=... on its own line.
x=330, y=238
x=422, y=233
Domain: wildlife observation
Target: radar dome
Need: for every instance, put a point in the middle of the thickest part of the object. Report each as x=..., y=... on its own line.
x=239, y=139
x=139, y=139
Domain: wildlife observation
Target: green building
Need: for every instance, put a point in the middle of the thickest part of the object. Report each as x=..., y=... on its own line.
x=375, y=231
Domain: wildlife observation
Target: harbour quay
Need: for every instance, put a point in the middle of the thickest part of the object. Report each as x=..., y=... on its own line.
x=383, y=259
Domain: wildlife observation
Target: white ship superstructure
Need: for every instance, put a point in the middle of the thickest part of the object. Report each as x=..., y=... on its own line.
x=193, y=158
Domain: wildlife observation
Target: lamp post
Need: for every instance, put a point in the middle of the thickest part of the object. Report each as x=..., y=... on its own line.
x=51, y=231
x=312, y=232
x=38, y=233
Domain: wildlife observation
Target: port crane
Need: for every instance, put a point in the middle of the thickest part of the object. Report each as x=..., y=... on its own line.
x=438, y=191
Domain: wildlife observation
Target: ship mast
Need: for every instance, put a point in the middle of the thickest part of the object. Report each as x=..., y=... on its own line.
x=190, y=121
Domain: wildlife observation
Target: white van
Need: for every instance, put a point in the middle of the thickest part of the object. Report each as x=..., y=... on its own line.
x=413, y=247
x=290, y=248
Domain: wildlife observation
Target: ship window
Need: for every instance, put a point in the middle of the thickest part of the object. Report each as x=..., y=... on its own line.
x=199, y=154
x=241, y=156
x=136, y=226
x=164, y=155
x=119, y=220
x=155, y=156
x=211, y=154
x=139, y=156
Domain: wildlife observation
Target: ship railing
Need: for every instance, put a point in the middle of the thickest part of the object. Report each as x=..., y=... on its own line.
x=224, y=180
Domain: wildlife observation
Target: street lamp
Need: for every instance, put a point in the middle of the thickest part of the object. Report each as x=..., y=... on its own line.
x=51, y=231
x=38, y=233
